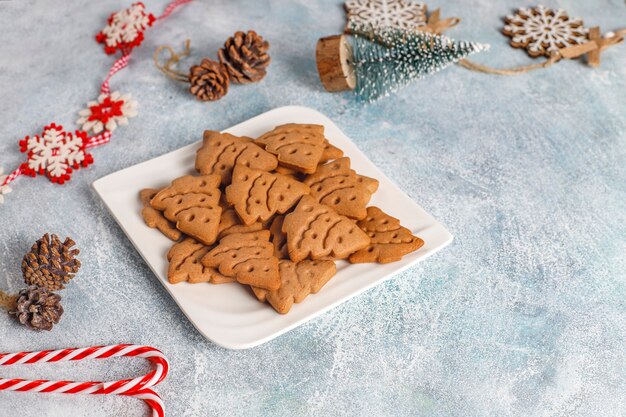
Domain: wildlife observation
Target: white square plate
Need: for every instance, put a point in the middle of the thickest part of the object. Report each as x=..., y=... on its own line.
x=228, y=314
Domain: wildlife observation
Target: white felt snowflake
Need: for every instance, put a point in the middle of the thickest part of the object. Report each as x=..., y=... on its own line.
x=125, y=28
x=399, y=14
x=542, y=30
x=4, y=189
x=109, y=111
x=55, y=153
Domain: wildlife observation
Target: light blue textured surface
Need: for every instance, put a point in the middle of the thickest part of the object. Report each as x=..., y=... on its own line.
x=523, y=315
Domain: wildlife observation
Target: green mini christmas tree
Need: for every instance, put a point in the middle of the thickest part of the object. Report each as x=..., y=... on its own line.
x=387, y=59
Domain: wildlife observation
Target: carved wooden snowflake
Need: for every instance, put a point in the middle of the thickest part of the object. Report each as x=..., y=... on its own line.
x=109, y=111
x=541, y=30
x=125, y=29
x=400, y=14
x=55, y=153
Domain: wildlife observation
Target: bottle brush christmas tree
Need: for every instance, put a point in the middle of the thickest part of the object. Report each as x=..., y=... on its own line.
x=380, y=61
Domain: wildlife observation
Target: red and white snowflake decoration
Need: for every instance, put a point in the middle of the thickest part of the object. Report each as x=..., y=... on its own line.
x=108, y=112
x=55, y=154
x=125, y=29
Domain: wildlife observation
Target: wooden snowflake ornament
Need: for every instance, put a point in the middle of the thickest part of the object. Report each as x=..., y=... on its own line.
x=55, y=154
x=109, y=111
x=125, y=28
x=543, y=31
x=397, y=14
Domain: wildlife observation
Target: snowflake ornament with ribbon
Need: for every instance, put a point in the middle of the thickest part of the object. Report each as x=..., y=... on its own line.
x=125, y=29
x=57, y=153
x=109, y=111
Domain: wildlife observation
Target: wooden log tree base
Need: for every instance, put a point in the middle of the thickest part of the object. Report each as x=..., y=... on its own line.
x=334, y=63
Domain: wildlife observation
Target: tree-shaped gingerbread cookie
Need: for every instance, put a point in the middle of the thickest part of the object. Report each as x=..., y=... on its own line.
x=316, y=231
x=247, y=257
x=389, y=240
x=258, y=195
x=193, y=203
x=220, y=152
x=298, y=280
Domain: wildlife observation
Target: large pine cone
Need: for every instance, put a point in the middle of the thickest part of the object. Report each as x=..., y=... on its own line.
x=50, y=263
x=37, y=308
x=245, y=57
x=209, y=80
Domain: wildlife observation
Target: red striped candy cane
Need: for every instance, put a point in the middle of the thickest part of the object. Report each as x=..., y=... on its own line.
x=137, y=387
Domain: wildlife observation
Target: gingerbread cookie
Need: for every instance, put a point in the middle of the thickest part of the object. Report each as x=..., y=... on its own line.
x=220, y=152
x=298, y=280
x=154, y=218
x=184, y=258
x=339, y=187
x=297, y=146
x=370, y=184
x=287, y=171
x=279, y=239
x=316, y=231
x=247, y=257
x=389, y=240
x=230, y=223
x=193, y=203
x=258, y=195
x=543, y=31
x=330, y=153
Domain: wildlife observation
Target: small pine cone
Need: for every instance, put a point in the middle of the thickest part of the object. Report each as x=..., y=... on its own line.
x=37, y=308
x=245, y=57
x=50, y=264
x=209, y=80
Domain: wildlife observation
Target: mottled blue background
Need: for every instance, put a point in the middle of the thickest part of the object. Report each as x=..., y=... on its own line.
x=524, y=314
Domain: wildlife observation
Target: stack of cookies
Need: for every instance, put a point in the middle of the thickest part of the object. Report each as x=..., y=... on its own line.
x=273, y=214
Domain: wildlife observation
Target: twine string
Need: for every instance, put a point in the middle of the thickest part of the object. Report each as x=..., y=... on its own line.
x=174, y=58
x=7, y=301
x=474, y=66
x=593, y=48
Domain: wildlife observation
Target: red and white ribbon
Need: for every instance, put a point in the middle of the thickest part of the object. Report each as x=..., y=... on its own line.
x=171, y=7
x=139, y=387
x=119, y=64
x=101, y=139
x=104, y=137
x=12, y=176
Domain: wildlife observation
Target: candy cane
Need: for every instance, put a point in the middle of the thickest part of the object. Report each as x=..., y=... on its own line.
x=138, y=387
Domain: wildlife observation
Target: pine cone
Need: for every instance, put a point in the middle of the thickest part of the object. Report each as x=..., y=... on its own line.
x=209, y=80
x=245, y=57
x=37, y=308
x=50, y=264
